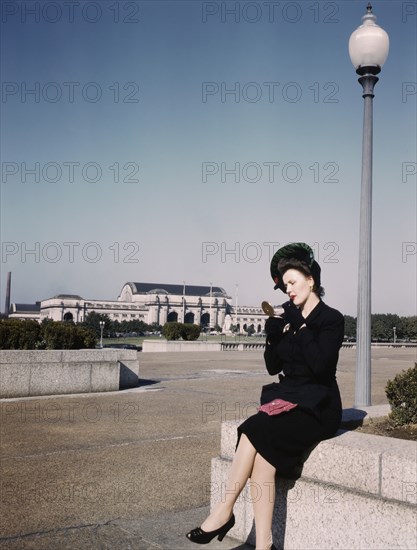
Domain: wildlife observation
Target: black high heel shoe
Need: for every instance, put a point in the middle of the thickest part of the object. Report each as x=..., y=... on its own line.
x=204, y=537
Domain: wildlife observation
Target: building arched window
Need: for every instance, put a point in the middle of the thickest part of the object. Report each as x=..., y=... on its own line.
x=189, y=318
x=172, y=317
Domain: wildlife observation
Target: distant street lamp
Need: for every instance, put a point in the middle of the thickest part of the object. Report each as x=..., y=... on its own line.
x=368, y=50
x=101, y=333
x=237, y=292
x=183, y=301
x=394, y=329
x=211, y=294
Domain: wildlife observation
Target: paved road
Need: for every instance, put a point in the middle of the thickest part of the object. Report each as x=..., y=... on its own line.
x=131, y=469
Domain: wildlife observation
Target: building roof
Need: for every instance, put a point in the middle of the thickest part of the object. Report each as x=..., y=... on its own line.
x=190, y=290
x=25, y=308
x=67, y=297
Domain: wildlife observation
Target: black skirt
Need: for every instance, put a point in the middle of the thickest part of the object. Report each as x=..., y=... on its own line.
x=287, y=439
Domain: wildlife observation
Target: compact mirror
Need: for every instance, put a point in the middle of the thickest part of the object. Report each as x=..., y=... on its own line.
x=268, y=309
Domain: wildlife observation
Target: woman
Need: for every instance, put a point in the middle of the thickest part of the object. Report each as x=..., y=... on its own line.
x=301, y=410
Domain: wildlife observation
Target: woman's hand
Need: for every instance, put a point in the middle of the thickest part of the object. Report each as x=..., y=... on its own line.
x=274, y=326
x=293, y=315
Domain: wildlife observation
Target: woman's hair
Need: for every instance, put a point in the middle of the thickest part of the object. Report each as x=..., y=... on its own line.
x=292, y=263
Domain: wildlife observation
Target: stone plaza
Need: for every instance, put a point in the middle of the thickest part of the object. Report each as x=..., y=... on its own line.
x=131, y=469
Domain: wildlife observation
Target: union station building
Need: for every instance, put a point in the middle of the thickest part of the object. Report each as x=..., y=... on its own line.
x=151, y=303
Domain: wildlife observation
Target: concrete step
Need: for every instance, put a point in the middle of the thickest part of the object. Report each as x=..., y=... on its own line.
x=356, y=491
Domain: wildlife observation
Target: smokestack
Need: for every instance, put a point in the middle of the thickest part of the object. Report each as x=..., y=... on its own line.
x=8, y=287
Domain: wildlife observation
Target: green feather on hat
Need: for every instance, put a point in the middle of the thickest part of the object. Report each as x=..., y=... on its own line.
x=298, y=251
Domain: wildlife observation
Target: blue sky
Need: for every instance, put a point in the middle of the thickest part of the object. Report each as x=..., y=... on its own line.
x=171, y=141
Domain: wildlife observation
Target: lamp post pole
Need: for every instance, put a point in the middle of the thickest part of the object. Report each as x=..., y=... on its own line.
x=237, y=292
x=363, y=334
x=101, y=333
x=211, y=293
x=368, y=49
x=183, y=302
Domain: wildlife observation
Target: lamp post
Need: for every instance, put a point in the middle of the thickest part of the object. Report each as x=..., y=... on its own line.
x=101, y=333
x=368, y=50
x=183, y=301
x=211, y=293
x=237, y=293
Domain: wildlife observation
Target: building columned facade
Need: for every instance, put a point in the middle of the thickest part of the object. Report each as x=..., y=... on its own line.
x=209, y=306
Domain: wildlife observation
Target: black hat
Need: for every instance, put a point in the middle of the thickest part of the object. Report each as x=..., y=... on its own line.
x=298, y=251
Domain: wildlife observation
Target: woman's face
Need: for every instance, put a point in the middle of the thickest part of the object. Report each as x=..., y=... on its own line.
x=298, y=286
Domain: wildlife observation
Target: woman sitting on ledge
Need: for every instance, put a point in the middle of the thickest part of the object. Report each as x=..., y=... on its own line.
x=296, y=413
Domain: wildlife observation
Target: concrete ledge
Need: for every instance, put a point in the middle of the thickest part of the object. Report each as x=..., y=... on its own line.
x=356, y=491
x=27, y=373
x=179, y=345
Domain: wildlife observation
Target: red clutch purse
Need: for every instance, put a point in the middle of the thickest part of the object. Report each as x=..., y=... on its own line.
x=277, y=406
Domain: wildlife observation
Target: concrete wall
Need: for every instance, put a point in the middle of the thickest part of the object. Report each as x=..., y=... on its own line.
x=53, y=372
x=356, y=491
x=179, y=345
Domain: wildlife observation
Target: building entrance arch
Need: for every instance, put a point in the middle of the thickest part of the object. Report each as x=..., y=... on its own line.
x=189, y=318
x=205, y=320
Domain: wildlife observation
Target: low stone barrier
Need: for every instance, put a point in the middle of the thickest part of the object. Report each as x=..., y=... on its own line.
x=243, y=346
x=26, y=373
x=356, y=491
x=163, y=345
x=179, y=345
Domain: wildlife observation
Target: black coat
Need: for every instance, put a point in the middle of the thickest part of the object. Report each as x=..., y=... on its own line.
x=307, y=360
x=306, y=363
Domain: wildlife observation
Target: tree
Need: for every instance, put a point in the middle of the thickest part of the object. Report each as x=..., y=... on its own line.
x=402, y=396
x=65, y=335
x=382, y=326
x=92, y=322
x=250, y=330
x=172, y=331
x=19, y=334
x=190, y=331
x=407, y=328
x=350, y=326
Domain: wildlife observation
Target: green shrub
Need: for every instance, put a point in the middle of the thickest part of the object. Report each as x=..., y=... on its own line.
x=175, y=331
x=190, y=332
x=402, y=396
x=64, y=335
x=27, y=334
x=19, y=334
x=172, y=331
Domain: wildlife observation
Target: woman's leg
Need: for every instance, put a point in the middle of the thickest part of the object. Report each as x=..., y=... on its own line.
x=239, y=473
x=262, y=487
